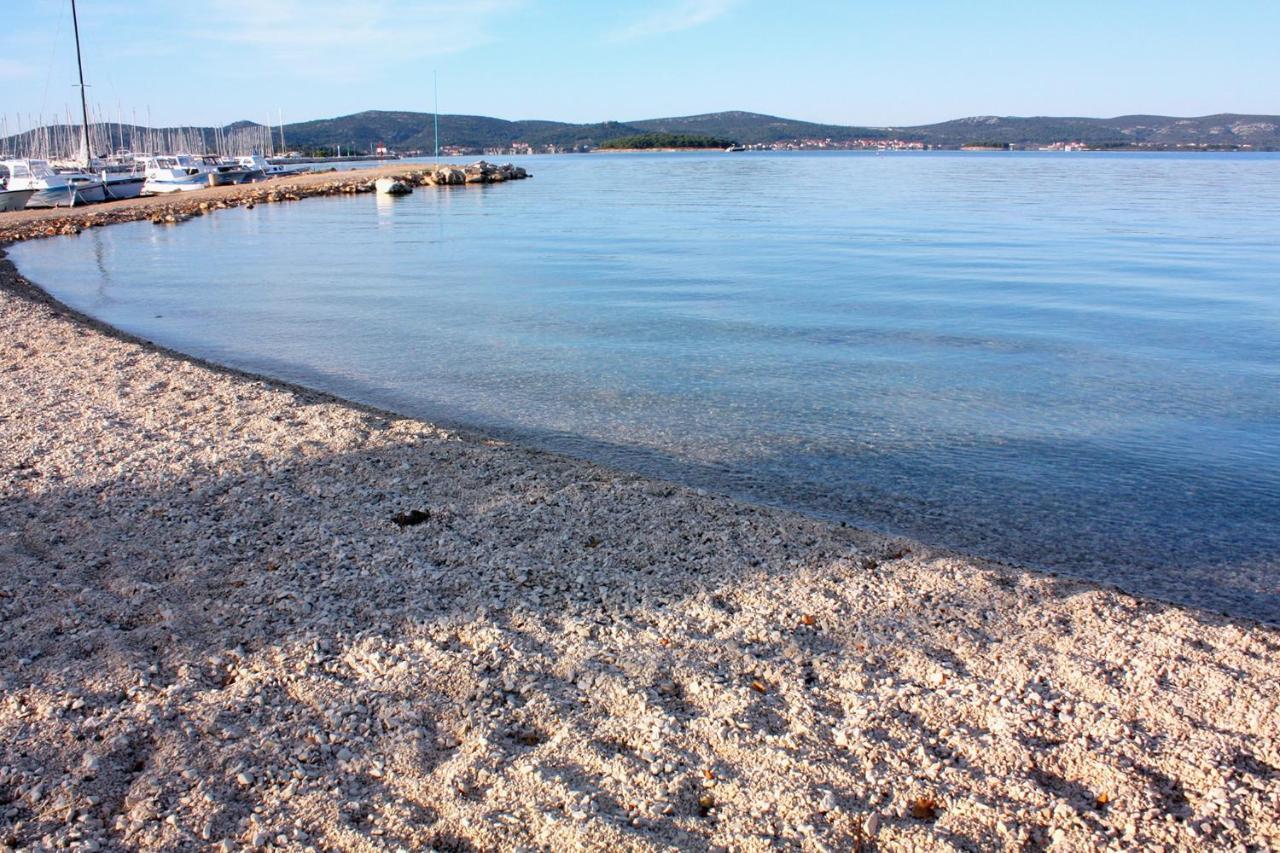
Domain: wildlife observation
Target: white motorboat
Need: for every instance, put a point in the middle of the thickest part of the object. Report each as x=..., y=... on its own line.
x=168, y=173
x=52, y=189
x=258, y=163
x=14, y=199
x=224, y=172
x=251, y=172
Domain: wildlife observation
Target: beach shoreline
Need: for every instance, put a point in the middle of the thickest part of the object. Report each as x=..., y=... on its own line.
x=237, y=612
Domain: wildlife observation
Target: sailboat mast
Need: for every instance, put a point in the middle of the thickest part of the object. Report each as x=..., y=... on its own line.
x=84, y=101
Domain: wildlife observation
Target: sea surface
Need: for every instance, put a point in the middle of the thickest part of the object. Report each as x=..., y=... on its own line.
x=1065, y=361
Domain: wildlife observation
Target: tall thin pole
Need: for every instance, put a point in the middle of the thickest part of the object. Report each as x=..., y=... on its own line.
x=84, y=102
x=435, y=89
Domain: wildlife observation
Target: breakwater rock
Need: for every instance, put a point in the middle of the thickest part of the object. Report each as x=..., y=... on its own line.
x=391, y=186
x=477, y=173
x=176, y=208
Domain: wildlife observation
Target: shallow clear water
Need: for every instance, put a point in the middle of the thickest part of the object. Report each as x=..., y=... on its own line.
x=1067, y=361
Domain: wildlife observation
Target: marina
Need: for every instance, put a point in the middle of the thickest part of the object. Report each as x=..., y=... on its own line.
x=58, y=163
x=68, y=186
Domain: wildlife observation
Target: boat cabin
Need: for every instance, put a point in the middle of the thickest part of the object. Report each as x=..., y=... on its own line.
x=180, y=163
x=24, y=169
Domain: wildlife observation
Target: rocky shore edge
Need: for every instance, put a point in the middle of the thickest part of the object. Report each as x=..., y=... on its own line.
x=178, y=207
x=237, y=614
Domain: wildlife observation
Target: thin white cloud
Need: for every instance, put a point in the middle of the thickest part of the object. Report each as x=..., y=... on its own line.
x=673, y=18
x=340, y=38
x=11, y=69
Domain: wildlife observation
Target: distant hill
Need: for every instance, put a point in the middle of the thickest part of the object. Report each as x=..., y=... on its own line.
x=1228, y=129
x=408, y=131
x=755, y=128
x=405, y=131
x=666, y=140
x=414, y=130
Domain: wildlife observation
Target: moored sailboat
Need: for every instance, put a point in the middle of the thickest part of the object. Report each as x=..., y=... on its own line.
x=113, y=185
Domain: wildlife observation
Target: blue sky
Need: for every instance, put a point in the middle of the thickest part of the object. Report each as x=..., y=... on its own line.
x=870, y=63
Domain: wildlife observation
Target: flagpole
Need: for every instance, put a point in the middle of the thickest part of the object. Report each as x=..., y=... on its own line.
x=435, y=88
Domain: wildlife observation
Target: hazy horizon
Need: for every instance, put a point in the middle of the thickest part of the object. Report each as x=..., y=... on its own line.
x=848, y=64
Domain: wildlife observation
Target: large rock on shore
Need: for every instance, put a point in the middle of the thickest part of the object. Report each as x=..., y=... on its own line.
x=392, y=186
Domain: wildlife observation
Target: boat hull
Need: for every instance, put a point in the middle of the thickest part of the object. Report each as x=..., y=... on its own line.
x=288, y=171
x=118, y=189
x=11, y=200
x=227, y=177
x=160, y=187
x=67, y=196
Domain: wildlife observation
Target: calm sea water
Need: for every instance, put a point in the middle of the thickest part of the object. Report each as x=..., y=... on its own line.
x=1065, y=361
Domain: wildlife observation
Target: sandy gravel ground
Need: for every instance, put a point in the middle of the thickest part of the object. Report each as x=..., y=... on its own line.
x=236, y=614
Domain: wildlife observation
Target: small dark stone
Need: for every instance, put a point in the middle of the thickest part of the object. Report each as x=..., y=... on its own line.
x=528, y=736
x=411, y=518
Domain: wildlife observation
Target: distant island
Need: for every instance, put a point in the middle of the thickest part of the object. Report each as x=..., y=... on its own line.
x=645, y=141
x=384, y=133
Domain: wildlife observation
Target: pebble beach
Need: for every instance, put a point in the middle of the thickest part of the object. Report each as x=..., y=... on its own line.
x=237, y=614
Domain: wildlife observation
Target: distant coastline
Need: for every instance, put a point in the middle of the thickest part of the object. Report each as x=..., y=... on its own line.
x=410, y=134
x=648, y=150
